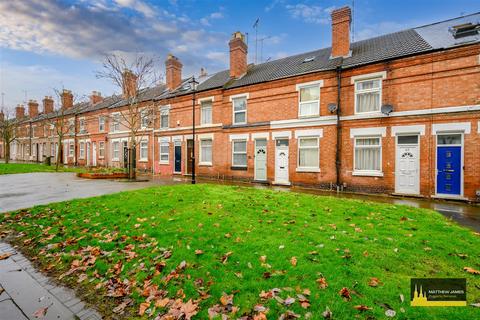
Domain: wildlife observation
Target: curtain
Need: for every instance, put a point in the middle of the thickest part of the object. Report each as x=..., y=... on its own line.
x=367, y=158
x=206, y=151
x=368, y=102
x=308, y=153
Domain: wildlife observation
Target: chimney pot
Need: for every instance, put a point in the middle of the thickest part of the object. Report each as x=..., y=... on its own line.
x=47, y=105
x=341, y=19
x=32, y=108
x=238, y=55
x=96, y=97
x=129, y=84
x=19, y=111
x=173, y=68
x=67, y=99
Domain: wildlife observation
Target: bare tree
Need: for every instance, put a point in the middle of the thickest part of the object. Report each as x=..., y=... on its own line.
x=8, y=125
x=61, y=124
x=131, y=77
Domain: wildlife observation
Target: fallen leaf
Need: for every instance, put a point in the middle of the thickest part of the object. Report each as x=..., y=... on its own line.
x=374, y=282
x=362, y=308
x=390, y=313
x=327, y=314
x=189, y=309
x=322, y=282
x=468, y=269
x=345, y=293
x=40, y=313
x=143, y=307
x=293, y=261
x=198, y=252
x=5, y=255
x=476, y=305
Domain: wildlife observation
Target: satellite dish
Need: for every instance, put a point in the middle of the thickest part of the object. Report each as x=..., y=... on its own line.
x=332, y=107
x=386, y=109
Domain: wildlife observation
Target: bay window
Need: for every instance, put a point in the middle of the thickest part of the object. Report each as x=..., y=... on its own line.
x=308, y=154
x=368, y=156
x=239, y=154
x=368, y=95
x=206, y=152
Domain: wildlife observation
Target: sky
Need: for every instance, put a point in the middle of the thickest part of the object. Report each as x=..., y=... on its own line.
x=53, y=44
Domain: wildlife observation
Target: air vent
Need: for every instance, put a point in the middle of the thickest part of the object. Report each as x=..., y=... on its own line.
x=309, y=59
x=464, y=30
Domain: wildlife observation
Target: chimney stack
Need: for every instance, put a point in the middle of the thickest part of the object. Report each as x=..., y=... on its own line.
x=32, y=108
x=67, y=99
x=96, y=97
x=47, y=105
x=238, y=55
x=341, y=19
x=129, y=84
x=19, y=112
x=173, y=68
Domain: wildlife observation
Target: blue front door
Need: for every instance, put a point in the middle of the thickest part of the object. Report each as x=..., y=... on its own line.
x=178, y=158
x=449, y=166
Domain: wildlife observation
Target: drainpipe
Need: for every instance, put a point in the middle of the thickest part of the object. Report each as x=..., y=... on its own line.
x=75, y=139
x=338, y=163
x=30, y=139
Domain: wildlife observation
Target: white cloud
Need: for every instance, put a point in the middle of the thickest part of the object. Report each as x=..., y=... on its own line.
x=309, y=13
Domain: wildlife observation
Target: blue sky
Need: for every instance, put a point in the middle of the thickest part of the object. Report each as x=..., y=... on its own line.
x=47, y=44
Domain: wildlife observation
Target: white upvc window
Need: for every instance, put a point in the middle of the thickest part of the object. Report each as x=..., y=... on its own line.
x=368, y=95
x=71, y=126
x=368, y=156
x=309, y=100
x=82, y=150
x=308, y=154
x=239, y=110
x=82, y=125
x=101, y=149
x=206, y=112
x=206, y=152
x=115, y=122
x=115, y=150
x=239, y=153
x=144, y=119
x=52, y=149
x=164, y=152
x=71, y=149
x=143, y=151
x=101, y=123
x=164, y=118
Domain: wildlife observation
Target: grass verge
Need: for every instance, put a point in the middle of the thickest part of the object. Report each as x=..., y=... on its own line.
x=12, y=168
x=207, y=250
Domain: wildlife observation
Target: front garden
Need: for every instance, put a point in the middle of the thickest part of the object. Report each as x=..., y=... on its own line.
x=12, y=168
x=201, y=251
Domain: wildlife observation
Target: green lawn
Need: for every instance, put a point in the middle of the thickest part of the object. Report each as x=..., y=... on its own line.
x=246, y=250
x=32, y=167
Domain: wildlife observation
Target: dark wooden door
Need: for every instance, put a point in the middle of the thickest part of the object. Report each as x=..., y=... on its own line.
x=189, y=156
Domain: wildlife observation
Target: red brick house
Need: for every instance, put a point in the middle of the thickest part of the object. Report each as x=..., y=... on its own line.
x=398, y=114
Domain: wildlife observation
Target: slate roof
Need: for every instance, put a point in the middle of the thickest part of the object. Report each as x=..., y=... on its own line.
x=394, y=45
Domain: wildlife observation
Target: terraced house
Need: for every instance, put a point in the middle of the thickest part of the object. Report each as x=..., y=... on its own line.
x=399, y=113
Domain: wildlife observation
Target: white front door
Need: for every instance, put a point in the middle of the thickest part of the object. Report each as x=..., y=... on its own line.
x=281, y=162
x=407, y=165
x=94, y=154
x=261, y=159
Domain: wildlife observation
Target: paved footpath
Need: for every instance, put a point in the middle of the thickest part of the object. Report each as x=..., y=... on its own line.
x=24, y=291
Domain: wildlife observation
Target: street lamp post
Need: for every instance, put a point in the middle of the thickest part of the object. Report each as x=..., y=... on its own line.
x=193, y=83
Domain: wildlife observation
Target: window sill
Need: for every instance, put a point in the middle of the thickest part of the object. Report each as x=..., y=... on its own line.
x=164, y=162
x=367, y=113
x=205, y=164
x=308, y=116
x=368, y=173
x=308, y=169
x=101, y=158
x=238, y=168
x=143, y=160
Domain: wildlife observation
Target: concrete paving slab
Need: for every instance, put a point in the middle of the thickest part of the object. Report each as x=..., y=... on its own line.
x=9, y=311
